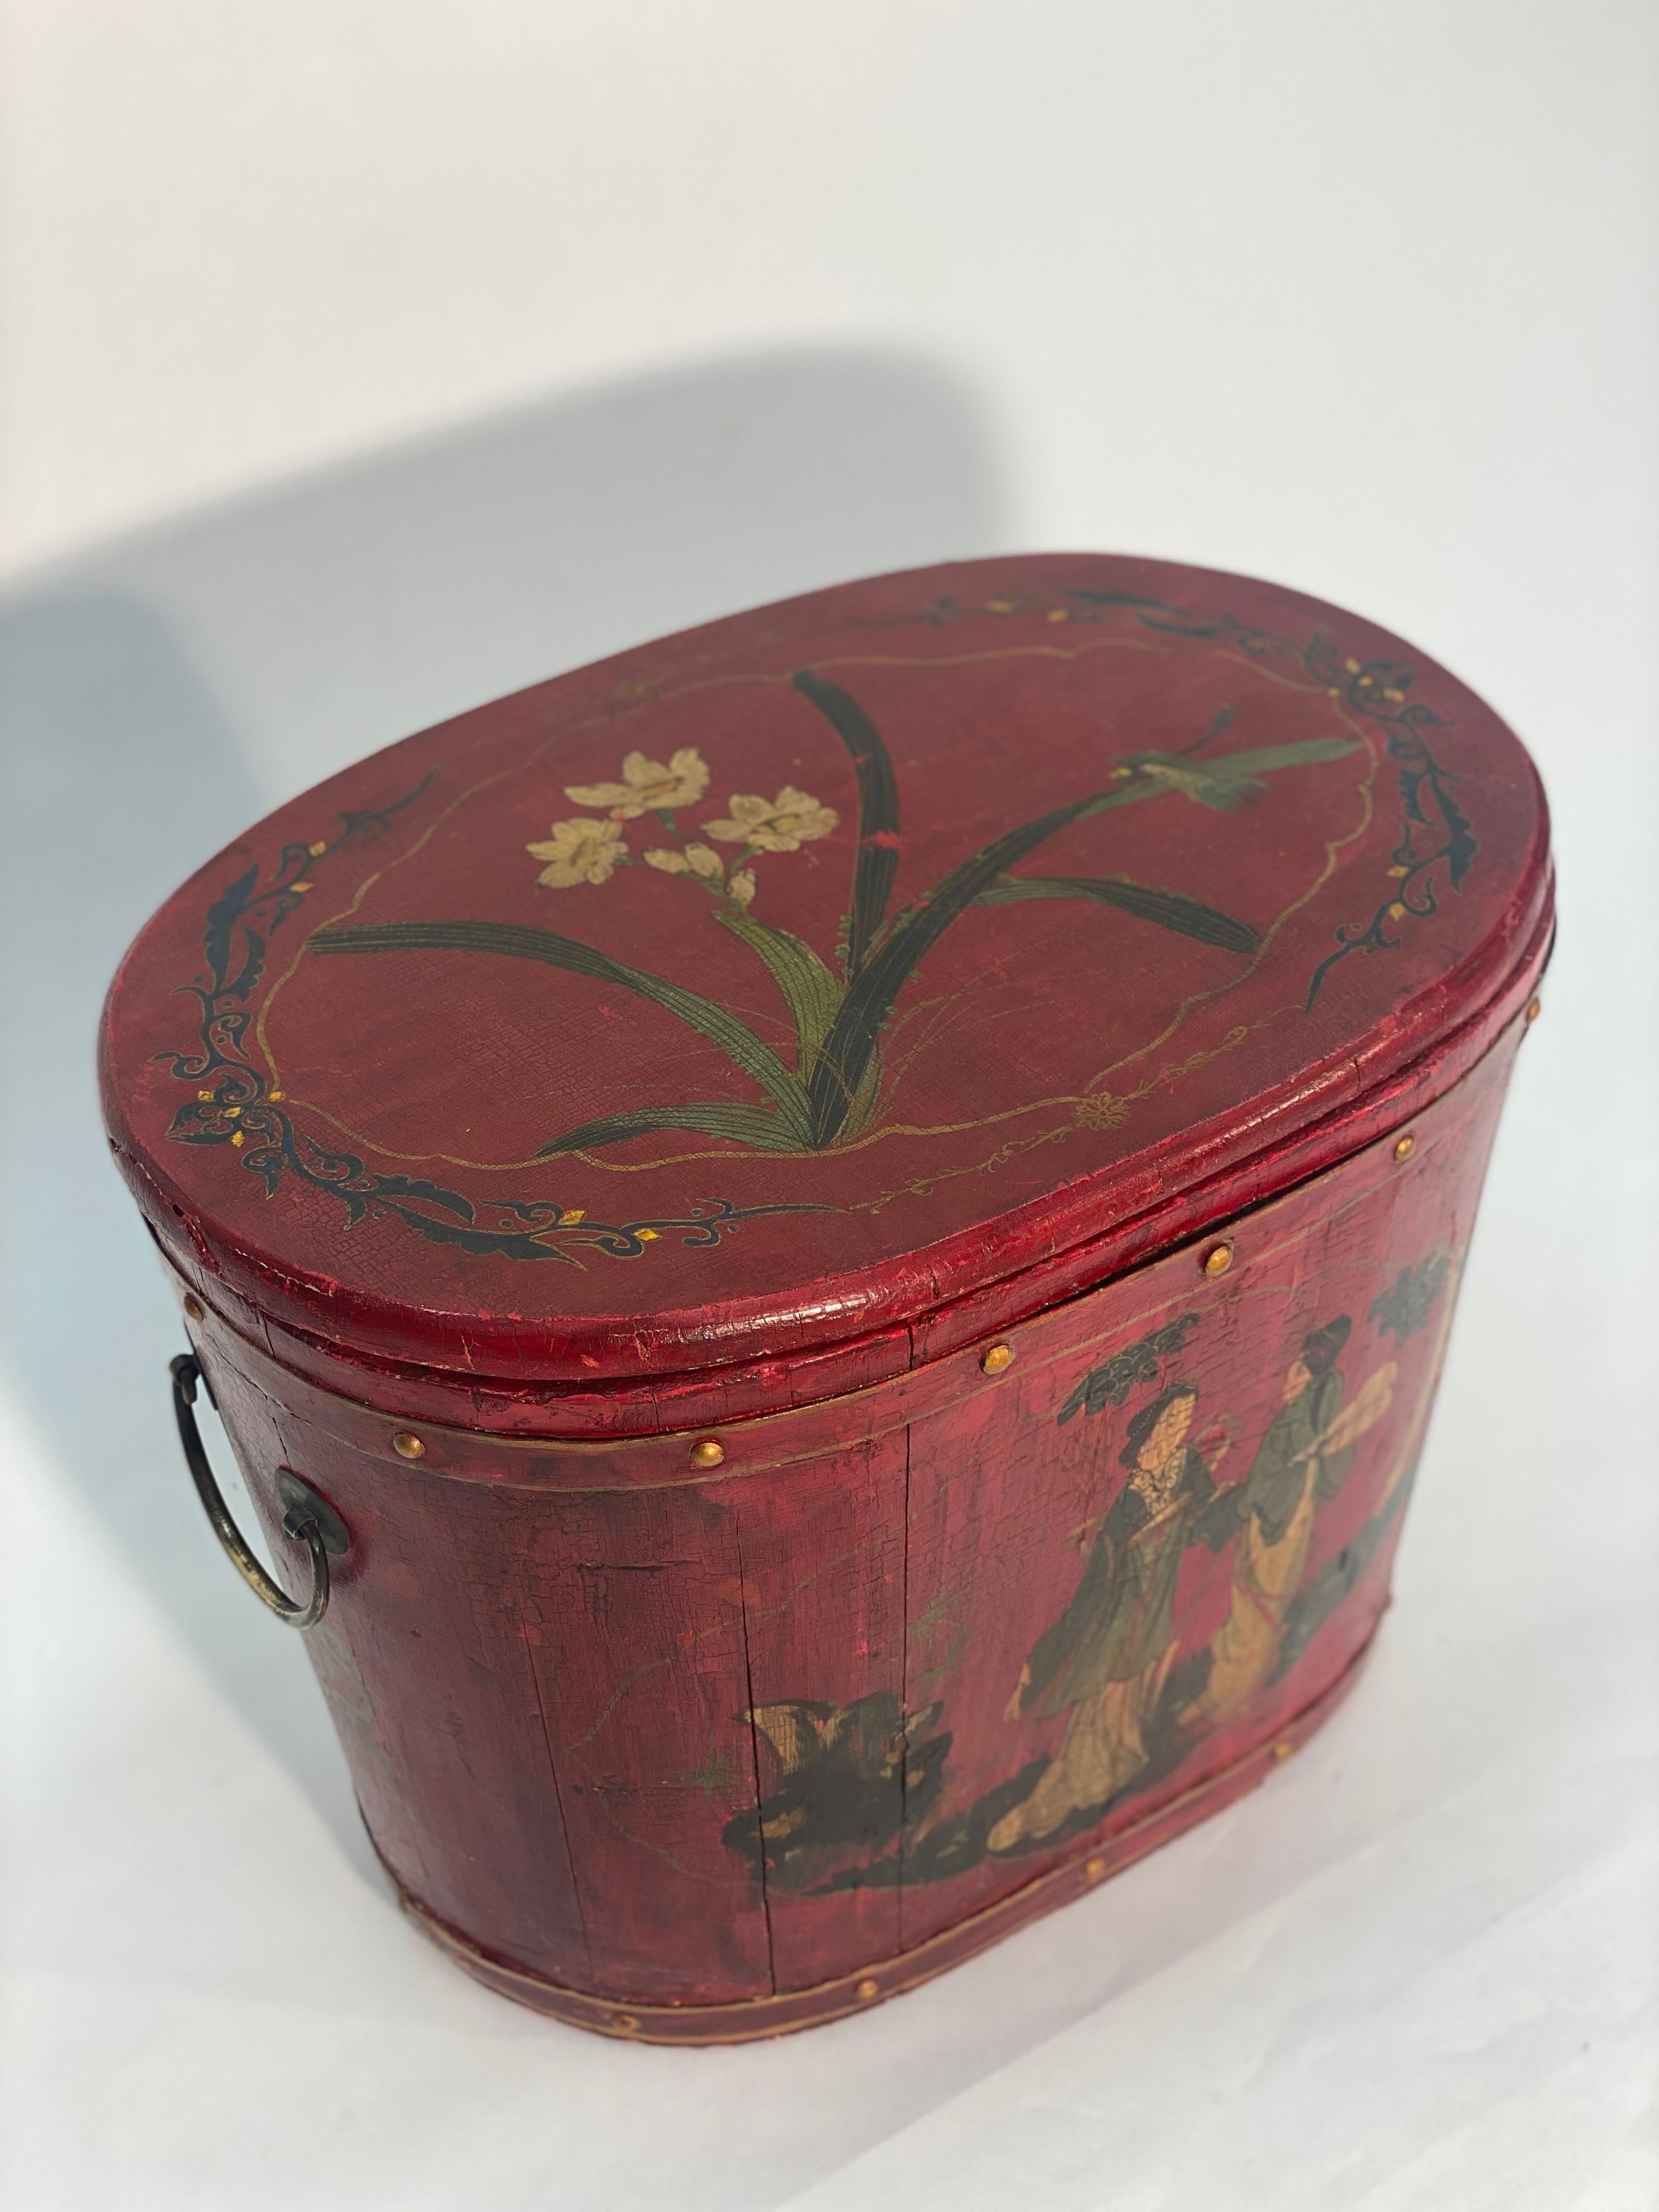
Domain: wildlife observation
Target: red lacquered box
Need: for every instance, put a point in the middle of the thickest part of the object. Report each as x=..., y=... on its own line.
x=826, y=1248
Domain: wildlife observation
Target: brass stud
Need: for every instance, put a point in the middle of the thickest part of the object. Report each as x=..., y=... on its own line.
x=1094, y=1869
x=1535, y=1008
x=868, y=1988
x=1283, y=1749
x=1218, y=1260
x=998, y=1359
x=624, y=2022
x=407, y=1446
x=706, y=1452
x=1404, y=1147
x=193, y=1309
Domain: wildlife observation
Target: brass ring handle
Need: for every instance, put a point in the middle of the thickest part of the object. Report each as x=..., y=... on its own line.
x=309, y=1520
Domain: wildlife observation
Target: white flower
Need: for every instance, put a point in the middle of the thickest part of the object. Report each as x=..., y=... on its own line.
x=782, y=824
x=742, y=886
x=646, y=785
x=578, y=852
x=695, y=860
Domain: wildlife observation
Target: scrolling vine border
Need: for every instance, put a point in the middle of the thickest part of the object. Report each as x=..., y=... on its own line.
x=236, y=1105
x=1379, y=690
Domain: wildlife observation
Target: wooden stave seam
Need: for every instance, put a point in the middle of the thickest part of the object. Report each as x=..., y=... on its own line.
x=632, y=2020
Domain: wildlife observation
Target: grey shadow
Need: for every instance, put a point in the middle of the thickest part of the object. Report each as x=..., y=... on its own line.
x=162, y=692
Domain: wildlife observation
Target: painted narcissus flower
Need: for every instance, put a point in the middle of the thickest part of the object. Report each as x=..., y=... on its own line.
x=581, y=851
x=703, y=861
x=782, y=824
x=648, y=787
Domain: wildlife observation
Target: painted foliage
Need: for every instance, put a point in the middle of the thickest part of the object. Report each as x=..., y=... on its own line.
x=828, y=1090
x=816, y=1057
x=238, y=1103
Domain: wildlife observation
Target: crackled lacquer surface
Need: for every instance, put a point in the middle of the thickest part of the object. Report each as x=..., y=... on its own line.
x=773, y=982
x=666, y=1736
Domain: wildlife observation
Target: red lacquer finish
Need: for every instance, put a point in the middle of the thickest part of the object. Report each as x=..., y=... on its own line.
x=898, y=1167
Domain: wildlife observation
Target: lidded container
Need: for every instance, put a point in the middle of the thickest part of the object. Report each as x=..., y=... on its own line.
x=826, y=1248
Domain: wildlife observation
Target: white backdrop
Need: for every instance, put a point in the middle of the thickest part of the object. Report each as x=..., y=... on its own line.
x=367, y=358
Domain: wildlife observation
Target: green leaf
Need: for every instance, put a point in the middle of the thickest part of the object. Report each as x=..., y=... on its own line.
x=745, y=1125
x=1267, y=757
x=1232, y=767
x=811, y=993
x=735, y=1039
x=879, y=811
x=862, y=1110
x=1188, y=917
x=838, y=1076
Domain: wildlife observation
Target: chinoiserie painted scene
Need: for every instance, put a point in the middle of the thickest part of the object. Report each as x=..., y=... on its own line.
x=1031, y=1620
x=812, y=954
x=854, y=1215
x=1118, y=1666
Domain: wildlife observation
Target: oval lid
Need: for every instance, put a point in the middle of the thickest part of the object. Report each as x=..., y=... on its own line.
x=784, y=980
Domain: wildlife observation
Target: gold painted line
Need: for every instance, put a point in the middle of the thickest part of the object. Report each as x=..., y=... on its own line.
x=955, y=1945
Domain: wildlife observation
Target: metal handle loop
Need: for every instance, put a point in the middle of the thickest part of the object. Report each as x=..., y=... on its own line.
x=308, y=1519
